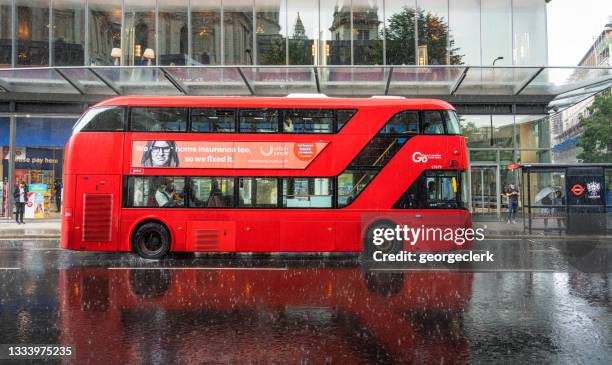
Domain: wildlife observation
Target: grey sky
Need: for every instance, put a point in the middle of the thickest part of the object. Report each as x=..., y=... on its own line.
x=572, y=27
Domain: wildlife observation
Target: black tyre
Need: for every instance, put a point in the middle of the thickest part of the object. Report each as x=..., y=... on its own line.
x=388, y=247
x=385, y=284
x=151, y=241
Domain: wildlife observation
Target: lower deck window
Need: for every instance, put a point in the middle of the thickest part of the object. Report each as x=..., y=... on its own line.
x=434, y=189
x=258, y=192
x=303, y=192
x=212, y=192
x=156, y=191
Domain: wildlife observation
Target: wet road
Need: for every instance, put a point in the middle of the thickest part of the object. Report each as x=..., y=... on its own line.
x=116, y=308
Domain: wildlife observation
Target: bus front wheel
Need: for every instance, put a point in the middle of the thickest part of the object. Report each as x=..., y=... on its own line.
x=151, y=241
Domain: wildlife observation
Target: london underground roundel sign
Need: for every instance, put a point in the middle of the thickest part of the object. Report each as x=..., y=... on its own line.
x=577, y=190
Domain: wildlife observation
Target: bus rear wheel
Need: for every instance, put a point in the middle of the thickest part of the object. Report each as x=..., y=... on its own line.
x=151, y=241
x=387, y=247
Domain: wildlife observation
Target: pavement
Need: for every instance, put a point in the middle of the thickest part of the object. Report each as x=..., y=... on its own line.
x=50, y=228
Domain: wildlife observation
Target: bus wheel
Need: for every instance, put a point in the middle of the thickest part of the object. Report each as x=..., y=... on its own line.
x=151, y=241
x=389, y=247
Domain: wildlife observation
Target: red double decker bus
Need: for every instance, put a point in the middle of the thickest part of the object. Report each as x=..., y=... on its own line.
x=234, y=174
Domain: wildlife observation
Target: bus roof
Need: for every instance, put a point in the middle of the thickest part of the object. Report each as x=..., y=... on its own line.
x=274, y=102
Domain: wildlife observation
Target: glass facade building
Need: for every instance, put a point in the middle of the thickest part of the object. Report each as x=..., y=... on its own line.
x=512, y=33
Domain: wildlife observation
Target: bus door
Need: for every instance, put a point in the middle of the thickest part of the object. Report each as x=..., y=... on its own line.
x=96, y=217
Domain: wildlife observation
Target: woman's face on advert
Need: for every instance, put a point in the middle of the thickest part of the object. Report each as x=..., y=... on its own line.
x=160, y=153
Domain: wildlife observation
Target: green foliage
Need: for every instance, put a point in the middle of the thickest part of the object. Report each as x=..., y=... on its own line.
x=596, y=139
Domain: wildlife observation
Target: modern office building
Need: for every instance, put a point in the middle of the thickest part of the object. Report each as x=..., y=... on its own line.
x=565, y=126
x=60, y=56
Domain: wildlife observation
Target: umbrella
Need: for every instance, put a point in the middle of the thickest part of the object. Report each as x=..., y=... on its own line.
x=543, y=193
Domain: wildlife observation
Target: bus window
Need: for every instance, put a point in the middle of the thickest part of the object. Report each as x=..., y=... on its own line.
x=405, y=122
x=158, y=119
x=434, y=189
x=351, y=183
x=308, y=121
x=433, y=123
x=343, y=116
x=213, y=120
x=156, y=191
x=212, y=192
x=257, y=192
x=259, y=121
x=106, y=118
x=301, y=192
x=452, y=123
x=378, y=151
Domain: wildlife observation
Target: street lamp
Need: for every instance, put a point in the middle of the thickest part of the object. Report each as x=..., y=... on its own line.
x=497, y=59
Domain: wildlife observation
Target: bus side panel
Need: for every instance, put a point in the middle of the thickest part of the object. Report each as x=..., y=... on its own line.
x=68, y=205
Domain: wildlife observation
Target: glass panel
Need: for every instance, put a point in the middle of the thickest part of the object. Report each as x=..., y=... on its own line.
x=343, y=117
x=87, y=81
x=104, y=32
x=484, y=191
x=32, y=32
x=433, y=122
x=206, y=32
x=270, y=32
x=238, y=30
x=173, y=32
x=68, y=32
x=430, y=80
x=452, y=122
x=464, y=21
x=529, y=32
x=106, y=118
x=281, y=81
x=350, y=185
x=503, y=129
x=353, y=81
x=308, y=121
x=36, y=81
x=210, y=81
x=547, y=198
x=139, y=80
x=139, y=33
x=496, y=32
x=307, y=192
x=378, y=151
x=558, y=80
x=336, y=33
x=212, y=192
x=609, y=195
x=406, y=122
x=433, y=37
x=261, y=120
x=495, y=81
x=533, y=131
x=158, y=119
x=477, y=130
x=5, y=33
x=302, y=18
x=156, y=191
x=399, y=32
x=367, y=32
x=258, y=192
x=213, y=120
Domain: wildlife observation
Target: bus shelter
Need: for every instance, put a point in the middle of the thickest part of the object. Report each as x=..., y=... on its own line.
x=572, y=199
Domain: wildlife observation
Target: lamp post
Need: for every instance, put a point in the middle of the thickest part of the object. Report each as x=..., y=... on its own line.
x=497, y=59
x=116, y=54
x=148, y=55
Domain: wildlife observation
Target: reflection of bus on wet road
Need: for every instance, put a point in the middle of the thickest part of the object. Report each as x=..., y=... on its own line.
x=160, y=174
x=263, y=315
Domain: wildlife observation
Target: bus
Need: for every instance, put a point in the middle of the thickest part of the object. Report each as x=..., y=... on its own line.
x=155, y=175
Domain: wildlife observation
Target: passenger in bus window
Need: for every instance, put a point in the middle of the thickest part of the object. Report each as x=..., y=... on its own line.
x=288, y=125
x=166, y=196
x=160, y=154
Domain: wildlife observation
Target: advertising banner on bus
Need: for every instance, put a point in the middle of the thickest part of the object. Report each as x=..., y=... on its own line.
x=225, y=155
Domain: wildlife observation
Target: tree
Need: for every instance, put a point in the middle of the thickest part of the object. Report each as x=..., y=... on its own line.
x=596, y=139
x=433, y=33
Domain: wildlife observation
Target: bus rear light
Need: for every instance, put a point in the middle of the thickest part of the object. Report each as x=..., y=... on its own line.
x=456, y=152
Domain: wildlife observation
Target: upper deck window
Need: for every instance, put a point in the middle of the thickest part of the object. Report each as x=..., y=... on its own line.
x=213, y=120
x=102, y=119
x=308, y=121
x=259, y=121
x=452, y=122
x=433, y=122
x=406, y=122
x=158, y=119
